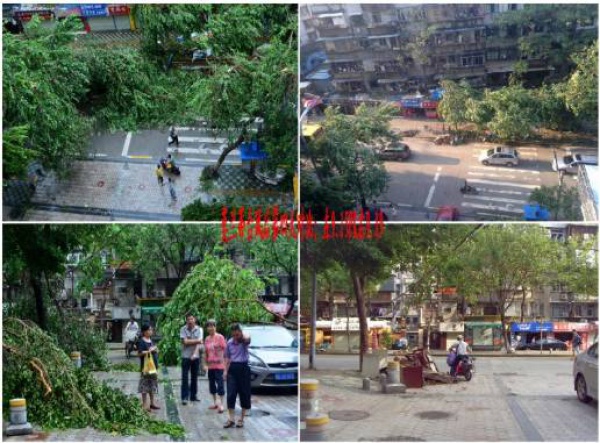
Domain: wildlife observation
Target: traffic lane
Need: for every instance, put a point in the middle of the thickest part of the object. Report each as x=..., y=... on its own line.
x=408, y=185
x=332, y=362
x=107, y=145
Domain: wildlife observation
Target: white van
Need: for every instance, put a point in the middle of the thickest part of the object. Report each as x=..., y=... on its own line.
x=570, y=163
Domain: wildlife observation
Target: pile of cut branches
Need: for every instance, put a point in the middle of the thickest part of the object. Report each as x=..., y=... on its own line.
x=60, y=396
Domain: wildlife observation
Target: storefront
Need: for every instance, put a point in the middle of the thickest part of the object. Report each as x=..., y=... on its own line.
x=529, y=331
x=563, y=331
x=484, y=336
x=448, y=331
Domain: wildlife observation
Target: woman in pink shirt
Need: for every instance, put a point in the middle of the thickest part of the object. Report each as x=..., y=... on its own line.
x=214, y=346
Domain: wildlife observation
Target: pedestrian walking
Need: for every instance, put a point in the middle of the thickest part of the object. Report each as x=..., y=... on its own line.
x=237, y=374
x=191, y=336
x=148, y=353
x=173, y=136
x=172, y=190
x=575, y=343
x=214, y=356
x=160, y=174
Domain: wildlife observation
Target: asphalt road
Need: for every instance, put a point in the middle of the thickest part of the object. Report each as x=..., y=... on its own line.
x=508, y=399
x=434, y=174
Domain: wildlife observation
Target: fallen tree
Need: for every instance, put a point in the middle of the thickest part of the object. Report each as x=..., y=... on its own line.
x=60, y=396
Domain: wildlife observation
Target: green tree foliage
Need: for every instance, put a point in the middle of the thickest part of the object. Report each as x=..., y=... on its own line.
x=553, y=32
x=562, y=201
x=62, y=397
x=344, y=157
x=128, y=91
x=495, y=265
x=581, y=91
x=216, y=288
x=453, y=106
x=43, y=82
x=16, y=153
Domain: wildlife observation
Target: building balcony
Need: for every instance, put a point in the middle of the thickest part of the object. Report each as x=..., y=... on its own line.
x=384, y=29
x=334, y=31
x=326, y=9
x=456, y=72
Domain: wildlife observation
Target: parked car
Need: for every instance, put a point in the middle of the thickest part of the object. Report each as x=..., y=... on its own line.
x=273, y=356
x=500, y=156
x=570, y=163
x=398, y=152
x=546, y=345
x=585, y=374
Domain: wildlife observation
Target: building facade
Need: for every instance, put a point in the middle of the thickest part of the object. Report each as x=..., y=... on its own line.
x=406, y=49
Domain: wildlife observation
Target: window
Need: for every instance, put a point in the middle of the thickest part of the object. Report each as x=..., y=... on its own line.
x=376, y=18
x=472, y=60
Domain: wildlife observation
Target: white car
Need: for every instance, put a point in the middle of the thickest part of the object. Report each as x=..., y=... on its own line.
x=585, y=374
x=499, y=156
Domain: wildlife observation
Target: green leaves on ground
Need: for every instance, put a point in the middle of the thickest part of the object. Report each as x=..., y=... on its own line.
x=58, y=395
x=216, y=288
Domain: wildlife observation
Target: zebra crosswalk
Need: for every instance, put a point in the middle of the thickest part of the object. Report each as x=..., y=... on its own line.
x=502, y=190
x=202, y=148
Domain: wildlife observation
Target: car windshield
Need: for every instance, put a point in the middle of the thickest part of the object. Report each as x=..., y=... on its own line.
x=271, y=338
x=490, y=152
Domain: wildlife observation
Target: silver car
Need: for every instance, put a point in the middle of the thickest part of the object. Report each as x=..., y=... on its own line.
x=500, y=155
x=585, y=374
x=273, y=356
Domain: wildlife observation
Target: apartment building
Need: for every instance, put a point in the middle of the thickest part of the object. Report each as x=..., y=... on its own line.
x=404, y=49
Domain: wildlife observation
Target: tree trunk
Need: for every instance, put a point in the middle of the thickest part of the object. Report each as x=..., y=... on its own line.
x=40, y=307
x=230, y=148
x=523, y=305
x=504, y=332
x=359, y=283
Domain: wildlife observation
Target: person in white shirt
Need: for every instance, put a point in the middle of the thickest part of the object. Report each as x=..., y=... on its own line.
x=461, y=348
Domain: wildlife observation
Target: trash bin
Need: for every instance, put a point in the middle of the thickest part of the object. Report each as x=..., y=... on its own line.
x=412, y=376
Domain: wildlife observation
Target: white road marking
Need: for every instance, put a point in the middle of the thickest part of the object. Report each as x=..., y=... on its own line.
x=202, y=151
x=483, y=174
x=496, y=199
x=491, y=168
x=405, y=205
x=126, y=144
x=499, y=183
x=183, y=139
x=198, y=160
x=492, y=208
x=432, y=189
x=98, y=155
x=498, y=191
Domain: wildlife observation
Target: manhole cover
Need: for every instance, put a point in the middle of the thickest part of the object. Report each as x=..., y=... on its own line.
x=433, y=415
x=348, y=415
x=394, y=438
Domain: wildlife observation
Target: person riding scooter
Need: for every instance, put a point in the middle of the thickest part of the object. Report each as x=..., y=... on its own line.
x=169, y=165
x=461, y=349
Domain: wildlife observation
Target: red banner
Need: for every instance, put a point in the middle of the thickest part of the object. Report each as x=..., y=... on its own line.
x=26, y=16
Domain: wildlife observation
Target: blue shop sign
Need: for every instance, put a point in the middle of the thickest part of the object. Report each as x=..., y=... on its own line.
x=411, y=103
x=98, y=10
x=532, y=327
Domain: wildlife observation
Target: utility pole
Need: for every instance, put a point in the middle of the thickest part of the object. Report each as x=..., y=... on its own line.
x=313, y=323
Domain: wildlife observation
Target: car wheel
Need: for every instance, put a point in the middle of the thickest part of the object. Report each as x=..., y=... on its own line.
x=581, y=386
x=510, y=165
x=485, y=163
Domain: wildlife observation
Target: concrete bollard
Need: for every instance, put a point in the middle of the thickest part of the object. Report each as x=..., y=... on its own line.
x=308, y=397
x=315, y=428
x=76, y=359
x=393, y=372
x=18, y=418
x=366, y=384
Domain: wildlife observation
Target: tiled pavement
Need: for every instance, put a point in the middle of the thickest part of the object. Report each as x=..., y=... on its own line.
x=501, y=403
x=128, y=190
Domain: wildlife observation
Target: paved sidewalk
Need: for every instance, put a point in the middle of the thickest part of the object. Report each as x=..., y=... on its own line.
x=507, y=400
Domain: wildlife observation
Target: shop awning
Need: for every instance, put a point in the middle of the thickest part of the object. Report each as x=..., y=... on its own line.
x=152, y=310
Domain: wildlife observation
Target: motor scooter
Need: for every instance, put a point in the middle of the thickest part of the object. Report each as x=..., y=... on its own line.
x=466, y=367
x=468, y=189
